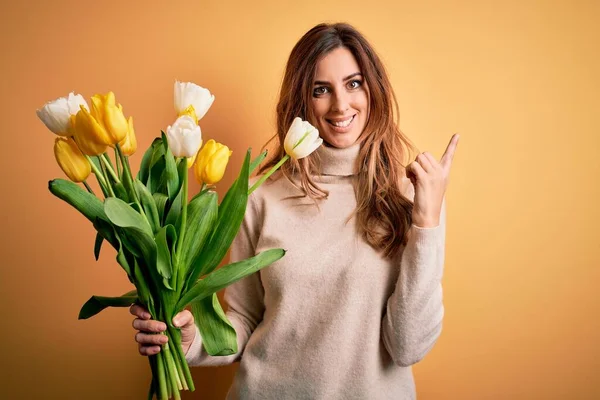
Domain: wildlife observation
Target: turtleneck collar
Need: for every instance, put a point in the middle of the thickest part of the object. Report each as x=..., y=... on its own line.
x=338, y=162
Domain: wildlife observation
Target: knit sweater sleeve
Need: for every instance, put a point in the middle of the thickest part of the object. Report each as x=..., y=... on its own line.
x=412, y=321
x=244, y=297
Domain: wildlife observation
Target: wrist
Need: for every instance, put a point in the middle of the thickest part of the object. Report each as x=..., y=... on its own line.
x=421, y=222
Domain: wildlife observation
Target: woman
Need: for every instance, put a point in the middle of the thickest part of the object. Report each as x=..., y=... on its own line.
x=357, y=299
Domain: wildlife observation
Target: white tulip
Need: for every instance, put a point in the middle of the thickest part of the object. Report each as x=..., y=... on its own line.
x=184, y=137
x=301, y=139
x=56, y=114
x=188, y=93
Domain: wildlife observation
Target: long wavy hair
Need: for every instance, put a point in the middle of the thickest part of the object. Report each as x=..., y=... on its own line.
x=383, y=212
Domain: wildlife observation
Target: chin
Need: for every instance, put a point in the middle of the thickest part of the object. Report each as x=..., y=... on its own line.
x=339, y=141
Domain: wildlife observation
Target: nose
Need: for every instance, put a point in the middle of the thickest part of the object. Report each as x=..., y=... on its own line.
x=341, y=102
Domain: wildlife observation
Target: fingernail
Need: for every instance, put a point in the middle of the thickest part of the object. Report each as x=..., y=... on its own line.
x=176, y=322
x=164, y=339
x=163, y=327
x=146, y=315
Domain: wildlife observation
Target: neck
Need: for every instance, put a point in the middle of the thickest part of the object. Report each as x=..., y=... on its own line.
x=339, y=162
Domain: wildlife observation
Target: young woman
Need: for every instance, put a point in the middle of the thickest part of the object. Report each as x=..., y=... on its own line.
x=357, y=299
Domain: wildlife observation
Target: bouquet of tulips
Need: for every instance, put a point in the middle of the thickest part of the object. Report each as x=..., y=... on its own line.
x=168, y=246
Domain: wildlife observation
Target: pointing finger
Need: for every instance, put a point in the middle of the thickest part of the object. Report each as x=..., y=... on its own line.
x=446, y=160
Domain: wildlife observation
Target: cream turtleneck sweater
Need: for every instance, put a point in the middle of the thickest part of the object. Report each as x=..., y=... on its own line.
x=332, y=319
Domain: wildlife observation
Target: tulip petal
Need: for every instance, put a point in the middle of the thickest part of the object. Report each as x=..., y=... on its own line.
x=90, y=136
x=55, y=115
x=190, y=141
x=294, y=134
x=184, y=136
x=129, y=143
x=215, y=169
x=74, y=102
x=115, y=123
x=189, y=94
x=71, y=160
x=173, y=140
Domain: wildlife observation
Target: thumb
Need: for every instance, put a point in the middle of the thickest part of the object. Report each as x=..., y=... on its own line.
x=185, y=321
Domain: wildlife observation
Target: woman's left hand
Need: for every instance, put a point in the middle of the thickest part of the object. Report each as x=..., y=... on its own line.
x=430, y=179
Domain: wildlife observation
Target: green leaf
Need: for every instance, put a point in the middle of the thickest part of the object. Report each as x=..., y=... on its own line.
x=120, y=191
x=227, y=275
x=142, y=286
x=144, y=171
x=124, y=262
x=182, y=169
x=107, y=231
x=231, y=214
x=156, y=175
x=256, y=162
x=122, y=215
x=171, y=175
x=165, y=141
x=174, y=211
x=218, y=335
x=159, y=150
x=141, y=244
x=86, y=203
x=129, y=186
x=148, y=204
x=161, y=202
x=98, y=245
x=98, y=303
x=165, y=239
x=202, y=216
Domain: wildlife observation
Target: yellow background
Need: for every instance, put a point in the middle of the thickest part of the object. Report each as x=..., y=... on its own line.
x=519, y=80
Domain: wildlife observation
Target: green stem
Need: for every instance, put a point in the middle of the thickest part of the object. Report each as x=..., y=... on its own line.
x=117, y=159
x=162, y=379
x=89, y=189
x=109, y=185
x=175, y=352
x=176, y=336
x=268, y=174
x=172, y=372
x=183, y=220
x=104, y=158
x=99, y=176
x=167, y=380
x=129, y=179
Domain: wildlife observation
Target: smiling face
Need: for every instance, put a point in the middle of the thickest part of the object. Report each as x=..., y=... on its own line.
x=340, y=100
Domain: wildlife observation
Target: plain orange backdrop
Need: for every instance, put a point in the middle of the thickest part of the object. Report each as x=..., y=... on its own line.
x=519, y=80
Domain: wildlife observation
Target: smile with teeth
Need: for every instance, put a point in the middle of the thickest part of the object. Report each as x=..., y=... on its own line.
x=342, y=124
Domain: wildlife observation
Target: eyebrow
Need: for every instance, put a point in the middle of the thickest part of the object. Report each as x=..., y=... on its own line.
x=345, y=79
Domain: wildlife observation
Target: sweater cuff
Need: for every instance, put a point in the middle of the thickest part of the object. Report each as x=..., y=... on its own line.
x=193, y=352
x=428, y=236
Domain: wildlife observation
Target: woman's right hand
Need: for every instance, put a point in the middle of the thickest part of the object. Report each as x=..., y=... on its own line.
x=149, y=337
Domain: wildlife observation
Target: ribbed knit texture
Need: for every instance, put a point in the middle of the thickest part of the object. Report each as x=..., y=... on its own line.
x=333, y=319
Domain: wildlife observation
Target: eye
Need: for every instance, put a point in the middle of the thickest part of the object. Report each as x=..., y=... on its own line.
x=320, y=90
x=355, y=84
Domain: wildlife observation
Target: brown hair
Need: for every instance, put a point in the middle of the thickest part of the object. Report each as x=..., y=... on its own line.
x=383, y=212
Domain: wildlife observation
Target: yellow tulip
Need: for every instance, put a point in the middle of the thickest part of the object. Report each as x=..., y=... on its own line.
x=88, y=133
x=129, y=144
x=211, y=162
x=71, y=160
x=110, y=116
